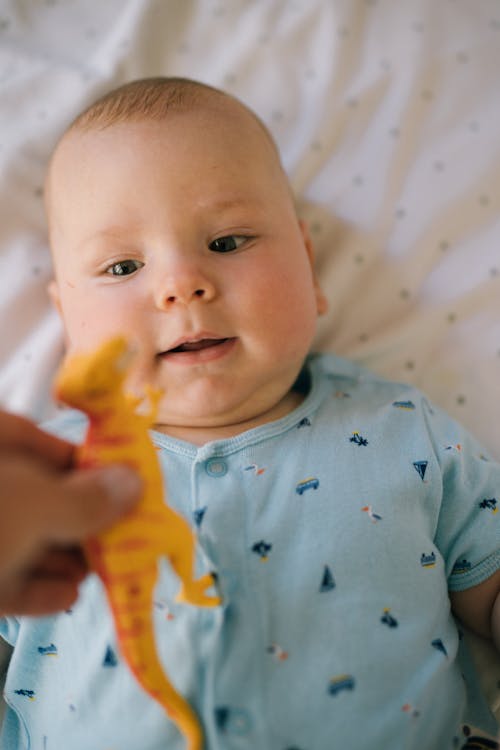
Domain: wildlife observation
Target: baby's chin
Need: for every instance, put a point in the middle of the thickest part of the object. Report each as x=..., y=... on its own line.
x=200, y=429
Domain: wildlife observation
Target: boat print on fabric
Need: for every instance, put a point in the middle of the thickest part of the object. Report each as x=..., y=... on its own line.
x=234, y=720
x=126, y=556
x=421, y=468
x=262, y=549
x=358, y=439
x=388, y=619
x=47, y=650
x=199, y=515
x=110, y=659
x=489, y=504
x=438, y=644
x=327, y=581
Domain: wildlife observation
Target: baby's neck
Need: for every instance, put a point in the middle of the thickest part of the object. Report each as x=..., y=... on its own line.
x=199, y=435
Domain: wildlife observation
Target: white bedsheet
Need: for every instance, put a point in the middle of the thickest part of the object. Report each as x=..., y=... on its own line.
x=387, y=115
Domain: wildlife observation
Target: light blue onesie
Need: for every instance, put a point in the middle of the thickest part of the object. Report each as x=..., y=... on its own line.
x=335, y=534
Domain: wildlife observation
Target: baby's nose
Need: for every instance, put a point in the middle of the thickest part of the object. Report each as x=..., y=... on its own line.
x=184, y=290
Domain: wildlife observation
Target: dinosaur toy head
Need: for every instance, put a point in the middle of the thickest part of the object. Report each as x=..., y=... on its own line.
x=88, y=381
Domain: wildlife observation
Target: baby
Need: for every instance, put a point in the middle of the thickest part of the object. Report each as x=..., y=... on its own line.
x=345, y=517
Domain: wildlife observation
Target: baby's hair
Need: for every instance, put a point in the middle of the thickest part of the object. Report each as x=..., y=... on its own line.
x=146, y=98
x=154, y=99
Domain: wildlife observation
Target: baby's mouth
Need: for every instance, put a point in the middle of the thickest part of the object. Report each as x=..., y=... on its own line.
x=199, y=350
x=196, y=346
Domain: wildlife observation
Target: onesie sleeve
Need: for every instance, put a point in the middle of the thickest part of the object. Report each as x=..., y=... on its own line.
x=9, y=629
x=468, y=528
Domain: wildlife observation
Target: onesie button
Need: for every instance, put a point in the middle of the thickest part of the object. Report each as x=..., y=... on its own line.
x=232, y=720
x=216, y=468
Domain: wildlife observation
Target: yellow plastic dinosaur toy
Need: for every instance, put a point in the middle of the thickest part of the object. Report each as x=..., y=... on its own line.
x=126, y=556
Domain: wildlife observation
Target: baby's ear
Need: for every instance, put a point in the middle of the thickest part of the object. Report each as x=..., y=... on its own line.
x=55, y=298
x=53, y=290
x=321, y=300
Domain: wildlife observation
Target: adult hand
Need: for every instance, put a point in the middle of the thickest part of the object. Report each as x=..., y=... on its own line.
x=46, y=510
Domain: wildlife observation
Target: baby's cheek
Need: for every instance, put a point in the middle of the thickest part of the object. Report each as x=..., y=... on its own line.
x=87, y=325
x=292, y=306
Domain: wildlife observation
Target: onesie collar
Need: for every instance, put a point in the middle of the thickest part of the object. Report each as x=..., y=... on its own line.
x=314, y=370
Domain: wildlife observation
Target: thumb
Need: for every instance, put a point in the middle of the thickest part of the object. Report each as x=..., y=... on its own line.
x=90, y=500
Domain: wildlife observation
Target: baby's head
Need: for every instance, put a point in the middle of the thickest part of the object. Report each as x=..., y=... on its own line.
x=171, y=221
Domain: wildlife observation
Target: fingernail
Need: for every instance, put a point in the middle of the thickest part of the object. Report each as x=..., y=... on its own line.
x=122, y=485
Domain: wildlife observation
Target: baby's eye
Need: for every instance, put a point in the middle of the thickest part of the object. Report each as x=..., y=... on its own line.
x=124, y=267
x=227, y=244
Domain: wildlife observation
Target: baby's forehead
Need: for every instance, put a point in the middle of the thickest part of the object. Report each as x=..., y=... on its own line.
x=202, y=104
x=219, y=114
x=236, y=132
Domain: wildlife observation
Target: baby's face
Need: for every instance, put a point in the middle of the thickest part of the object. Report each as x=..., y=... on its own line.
x=182, y=235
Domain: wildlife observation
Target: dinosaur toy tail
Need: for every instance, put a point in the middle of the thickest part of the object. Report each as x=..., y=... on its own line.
x=135, y=632
x=130, y=596
x=155, y=682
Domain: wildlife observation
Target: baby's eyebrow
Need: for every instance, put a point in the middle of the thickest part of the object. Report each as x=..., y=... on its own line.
x=213, y=204
x=119, y=233
x=233, y=201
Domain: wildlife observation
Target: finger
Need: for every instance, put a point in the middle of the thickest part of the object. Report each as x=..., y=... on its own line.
x=39, y=597
x=88, y=501
x=41, y=507
x=59, y=562
x=18, y=434
x=49, y=585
